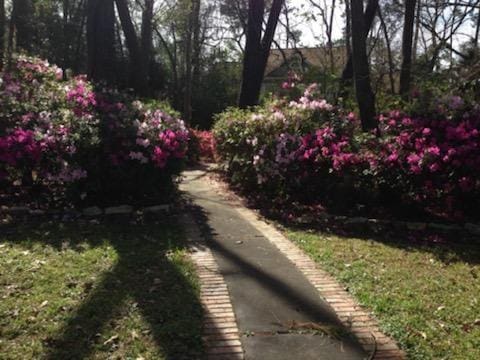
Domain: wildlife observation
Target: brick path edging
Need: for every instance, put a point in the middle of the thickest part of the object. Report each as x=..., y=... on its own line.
x=220, y=332
x=361, y=323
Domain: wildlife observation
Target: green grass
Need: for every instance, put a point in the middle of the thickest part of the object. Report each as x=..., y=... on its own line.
x=107, y=291
x=426, y=297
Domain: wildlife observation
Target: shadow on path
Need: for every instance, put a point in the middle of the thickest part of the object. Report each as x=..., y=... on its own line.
x=268, y=293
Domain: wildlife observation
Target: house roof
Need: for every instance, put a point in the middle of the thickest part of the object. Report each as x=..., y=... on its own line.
x=316, y=57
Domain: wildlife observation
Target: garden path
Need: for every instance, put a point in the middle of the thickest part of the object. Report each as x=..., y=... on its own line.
x=278, y=311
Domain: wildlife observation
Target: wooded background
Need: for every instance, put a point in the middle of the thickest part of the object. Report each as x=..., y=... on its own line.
x=205, y=55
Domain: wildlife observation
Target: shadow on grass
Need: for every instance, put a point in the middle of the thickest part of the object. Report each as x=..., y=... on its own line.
x=144, y=272
x=447, y=248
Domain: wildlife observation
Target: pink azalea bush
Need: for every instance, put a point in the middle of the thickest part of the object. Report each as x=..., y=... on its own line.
x=202, y=145
x=83, y=143
x=310, y=151
x=434, y=160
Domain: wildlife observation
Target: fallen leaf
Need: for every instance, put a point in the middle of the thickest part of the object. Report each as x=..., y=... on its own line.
x=43, y=304
x=112, y=339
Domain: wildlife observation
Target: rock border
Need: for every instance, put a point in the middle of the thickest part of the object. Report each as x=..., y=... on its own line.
x=363, y=223
x=91, y=212
x=220, y=332
x=373, y=224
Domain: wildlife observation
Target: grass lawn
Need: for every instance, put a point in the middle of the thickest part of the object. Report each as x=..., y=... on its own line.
x=426, y=297
x=105, y=291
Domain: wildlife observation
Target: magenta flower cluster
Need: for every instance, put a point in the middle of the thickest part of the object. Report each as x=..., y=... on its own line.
x=81, y=96
x=159, y=137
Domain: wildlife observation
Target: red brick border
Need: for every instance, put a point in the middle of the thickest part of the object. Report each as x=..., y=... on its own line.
x=361, y=323
x=220, y=332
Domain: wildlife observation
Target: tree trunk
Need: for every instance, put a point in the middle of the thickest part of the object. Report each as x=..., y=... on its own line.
x=79, y=45
x=329, y=36
x=407, y=39
x=11, y=37
x=389, y=52
x=250, y=90
x=2, y=32
x=417, y=31
x=370, y=12
x=22, y=18
x=197, y=44
x=146, y=40
x=257, y=49
x=173, y=63
x=361, y=72
x=477, y=30
x=187, y=95
x=137, y=69
x=348, y=30
x=65, y=37
x=100, y=40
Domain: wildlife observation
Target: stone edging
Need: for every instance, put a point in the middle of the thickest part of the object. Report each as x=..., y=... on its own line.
x=361, y=323
x=374, y=224
x=220, y=332
x=89, y=212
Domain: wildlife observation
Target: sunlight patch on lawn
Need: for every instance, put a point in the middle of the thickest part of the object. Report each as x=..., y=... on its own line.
x=426, y=297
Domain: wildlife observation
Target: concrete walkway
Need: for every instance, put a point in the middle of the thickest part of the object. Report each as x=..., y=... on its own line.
x=279, y=313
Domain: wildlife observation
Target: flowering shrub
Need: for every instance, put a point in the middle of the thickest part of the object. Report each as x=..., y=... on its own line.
x=202, y=145
x=309, y=151
x=434, y=160
x=94, y=145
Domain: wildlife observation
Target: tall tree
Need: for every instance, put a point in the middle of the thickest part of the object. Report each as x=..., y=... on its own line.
x=389, y=51
x=22, y=21
x=369, y=16
x=2, y=32
x=327, y=14
x=257, y=49
x=191, y=35
x=361, y=71
x=198, y=39
x=417, y=31
x=147, y=42
x=139, y=51
x=101, y=40
x=407, y=40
